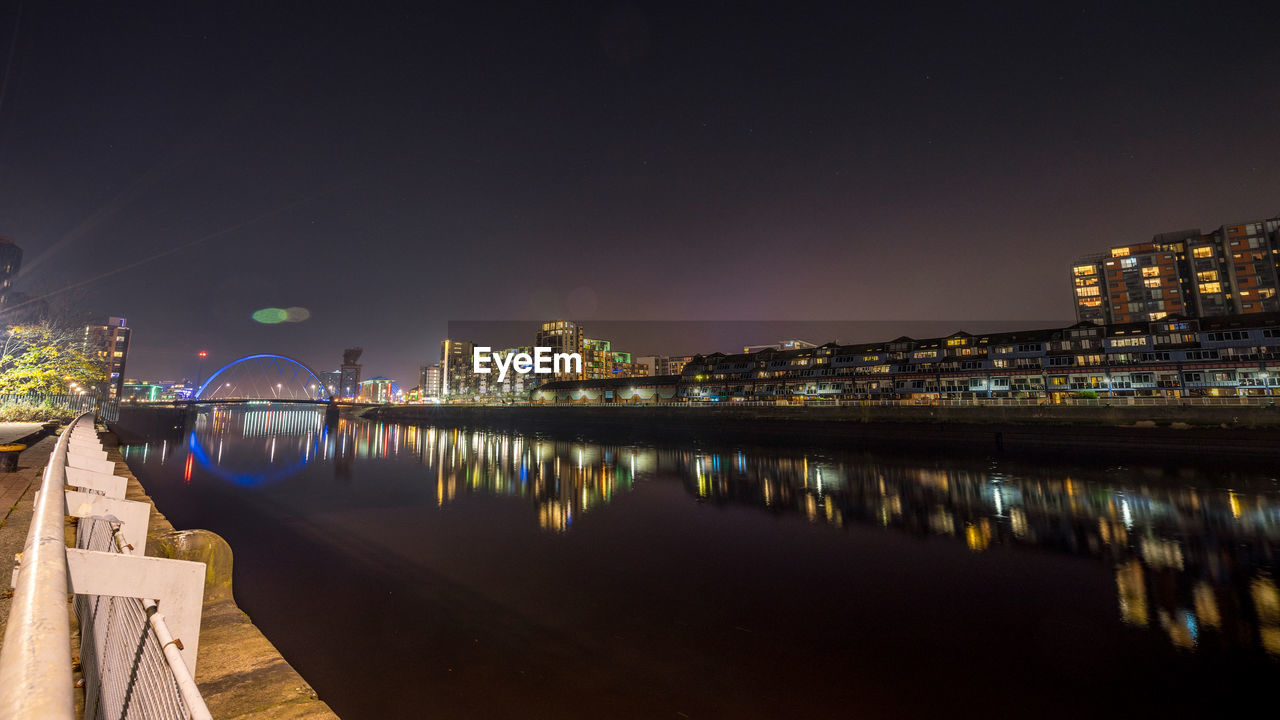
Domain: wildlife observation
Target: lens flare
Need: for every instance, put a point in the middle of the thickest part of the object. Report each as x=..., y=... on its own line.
x=274, y=316
x=270, y=316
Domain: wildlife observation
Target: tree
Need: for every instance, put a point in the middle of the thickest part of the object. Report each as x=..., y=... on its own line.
x=43, y=358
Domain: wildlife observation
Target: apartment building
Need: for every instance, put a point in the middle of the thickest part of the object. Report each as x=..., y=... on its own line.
x=1234, y=270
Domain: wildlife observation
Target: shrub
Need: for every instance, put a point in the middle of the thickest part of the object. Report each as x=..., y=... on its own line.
x=1086, y=395
x=31, y=412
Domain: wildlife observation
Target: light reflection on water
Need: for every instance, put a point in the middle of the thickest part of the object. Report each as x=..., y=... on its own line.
x=1193, y=559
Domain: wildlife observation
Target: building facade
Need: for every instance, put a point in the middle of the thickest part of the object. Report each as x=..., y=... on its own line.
x=457, y=381
x=1174, y=357
x=141, y=391
x=1234, y=270
x=563, y=336
x=429, y=382
x=349, y=373
x=670, y=364
x=379, y=390
x=332, y=382
x=626, y=365
x=109, y=345
x=597, y=359
x=10, y=263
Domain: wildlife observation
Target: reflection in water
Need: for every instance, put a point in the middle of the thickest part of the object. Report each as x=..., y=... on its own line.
x=266, y=445
x=1192, y=561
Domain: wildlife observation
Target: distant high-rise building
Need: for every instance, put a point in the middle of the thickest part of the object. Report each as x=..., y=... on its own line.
x=597, y=359
x=332, y=381
x=10, y=262
x=429, y=387
x=349, y=385
x=1234, y=270
x=1089, y=277
x=456, y=377
x=563, y=336
x=109, y=344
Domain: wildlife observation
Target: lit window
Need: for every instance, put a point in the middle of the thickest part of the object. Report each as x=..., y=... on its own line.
x=1202, y=252
x=1150, y=271
x=1211, y=287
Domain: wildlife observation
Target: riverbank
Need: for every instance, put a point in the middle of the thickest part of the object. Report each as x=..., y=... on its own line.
x=1164, y=430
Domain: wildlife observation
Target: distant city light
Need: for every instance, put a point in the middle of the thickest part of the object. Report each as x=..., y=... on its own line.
x=202, y=354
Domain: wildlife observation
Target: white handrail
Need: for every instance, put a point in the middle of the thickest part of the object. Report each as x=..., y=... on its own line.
x=35, y=662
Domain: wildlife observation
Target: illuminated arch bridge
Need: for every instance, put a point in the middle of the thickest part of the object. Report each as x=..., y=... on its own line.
x=263, y=377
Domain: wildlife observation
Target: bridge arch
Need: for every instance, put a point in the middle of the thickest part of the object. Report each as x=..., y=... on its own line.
x=263, y=377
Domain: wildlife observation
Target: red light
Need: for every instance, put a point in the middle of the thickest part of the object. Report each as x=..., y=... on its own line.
x=203, y=354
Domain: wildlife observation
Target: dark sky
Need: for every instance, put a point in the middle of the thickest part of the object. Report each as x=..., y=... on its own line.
x=395, y=168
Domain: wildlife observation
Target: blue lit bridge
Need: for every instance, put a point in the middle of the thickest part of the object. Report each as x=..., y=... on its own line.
x=265, y=377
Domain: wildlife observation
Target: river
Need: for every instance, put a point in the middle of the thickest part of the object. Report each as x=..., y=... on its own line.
x=460, y=573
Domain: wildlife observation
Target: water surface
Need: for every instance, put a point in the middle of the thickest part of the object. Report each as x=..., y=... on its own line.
x=458, y=573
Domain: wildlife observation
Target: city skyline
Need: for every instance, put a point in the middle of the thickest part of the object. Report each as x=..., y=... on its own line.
x=392, y=169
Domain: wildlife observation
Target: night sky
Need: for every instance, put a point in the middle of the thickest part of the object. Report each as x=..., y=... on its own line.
x=395, y=168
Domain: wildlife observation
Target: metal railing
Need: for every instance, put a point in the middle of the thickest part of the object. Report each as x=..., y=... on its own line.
x=115, y=634
x=77, y=402
x=35, y=663
x=134, y=667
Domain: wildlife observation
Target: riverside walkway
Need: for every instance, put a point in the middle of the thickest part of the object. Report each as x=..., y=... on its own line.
x=240, y=674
